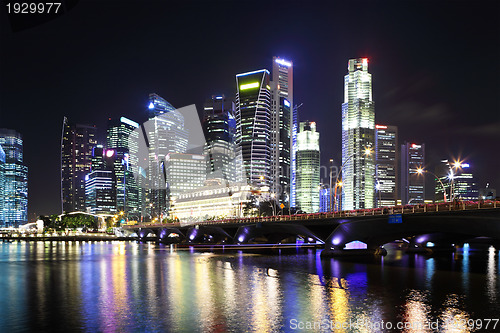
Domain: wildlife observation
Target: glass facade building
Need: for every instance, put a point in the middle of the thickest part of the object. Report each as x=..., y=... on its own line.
x=386, y=165
x=13, y=179
x=282, y=168
x=254, y=126
x=412, y=183
x=122, y=139
x=324, y=199
x=2, y=185
x=77, y=144
x=308, y=168
x=100, y=183
x=219, y=128
x=162, y=134
x=358, y=134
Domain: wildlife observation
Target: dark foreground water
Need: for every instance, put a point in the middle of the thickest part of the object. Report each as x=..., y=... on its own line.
x=129, y=287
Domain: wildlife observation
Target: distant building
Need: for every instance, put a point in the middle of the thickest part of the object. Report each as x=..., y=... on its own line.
x=358, y=134
x=282, y=129
x=308, y=168
x=325, y=199
x=77, y=144
x=165, y=133
x=386, y=165
x=100, y=192
x=219, y=128
x=254, y=126
x=100, y=182
x=487, y=193
x=123, y=140
x=412, y=183
x=2, y=186
x=458, y=181
x=14, y=179
x=184, y=172
x=216, y=199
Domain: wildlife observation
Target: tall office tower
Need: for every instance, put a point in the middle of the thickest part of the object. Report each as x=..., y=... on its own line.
x=219, y=128
x=358, y=132
x=308, y=168
x=184, y=172
x=2, y=185
x=253, y=126
x=386, y=165
x=15, y=188
x=77, y=144
x=165, y=133
x=122, y=139
x=100, y=183
x=282, y=125
x=412, y=183
x=458, y=182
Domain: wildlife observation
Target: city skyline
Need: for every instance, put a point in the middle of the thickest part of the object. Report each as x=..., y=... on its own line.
x=429, y=97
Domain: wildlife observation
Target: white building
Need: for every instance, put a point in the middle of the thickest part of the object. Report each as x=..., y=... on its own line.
x=216, y=200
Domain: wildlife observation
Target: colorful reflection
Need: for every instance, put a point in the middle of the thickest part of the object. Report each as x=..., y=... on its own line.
x=129, y=287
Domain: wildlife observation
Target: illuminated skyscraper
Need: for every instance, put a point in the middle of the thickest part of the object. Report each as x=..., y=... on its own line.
x=282, y=168
x=308, y=168
x=358, y=134
x=412, y=183
x=122, y=139
x=100, y=183
x=165, y=133
x=14, y=173
x=387, y=170
x=219, y=128
x=77, y=144
x=254, y=126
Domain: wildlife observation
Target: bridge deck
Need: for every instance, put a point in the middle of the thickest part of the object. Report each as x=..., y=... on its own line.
x=408, y=209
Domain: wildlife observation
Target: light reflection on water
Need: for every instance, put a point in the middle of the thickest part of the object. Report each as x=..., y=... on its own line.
x=119, y=287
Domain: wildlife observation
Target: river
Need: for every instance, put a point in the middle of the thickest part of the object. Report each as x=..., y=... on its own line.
x=131, y=287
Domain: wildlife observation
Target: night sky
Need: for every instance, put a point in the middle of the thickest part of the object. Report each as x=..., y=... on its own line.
x=435, y=68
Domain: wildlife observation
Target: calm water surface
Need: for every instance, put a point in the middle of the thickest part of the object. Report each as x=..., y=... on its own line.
x=130, y=287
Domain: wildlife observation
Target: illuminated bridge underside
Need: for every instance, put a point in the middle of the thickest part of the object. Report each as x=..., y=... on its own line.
x=454, y=226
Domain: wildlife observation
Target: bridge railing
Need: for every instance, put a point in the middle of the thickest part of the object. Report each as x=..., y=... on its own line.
x=407, y=209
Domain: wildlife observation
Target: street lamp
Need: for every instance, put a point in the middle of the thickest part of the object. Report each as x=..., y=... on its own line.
x=367, y=152
x=420, y=171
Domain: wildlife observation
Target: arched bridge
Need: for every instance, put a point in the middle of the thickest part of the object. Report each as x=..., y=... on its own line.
x=450, y=222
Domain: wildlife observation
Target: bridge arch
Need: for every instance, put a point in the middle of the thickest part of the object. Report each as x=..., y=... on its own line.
x=379, y=230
